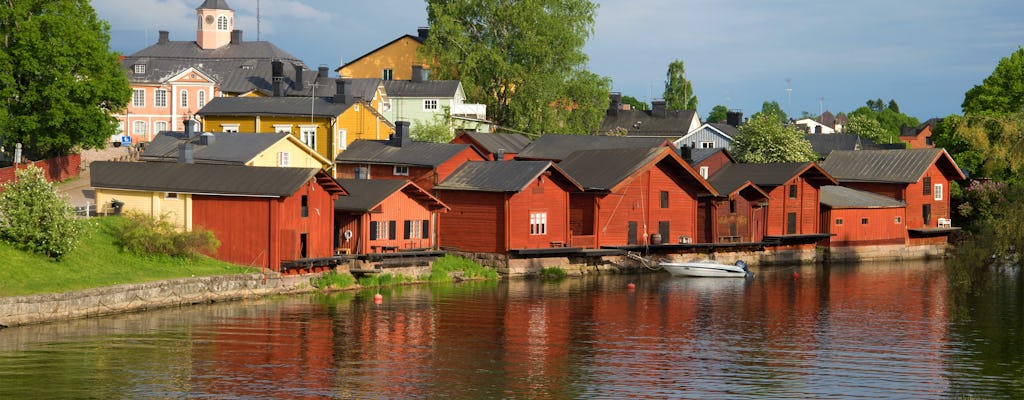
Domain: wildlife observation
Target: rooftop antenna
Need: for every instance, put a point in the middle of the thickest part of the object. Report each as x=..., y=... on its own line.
x=257, y=20
x=821, y=106
x=789, y=97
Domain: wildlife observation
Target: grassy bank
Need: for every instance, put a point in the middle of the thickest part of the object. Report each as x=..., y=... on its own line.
x=97, y=262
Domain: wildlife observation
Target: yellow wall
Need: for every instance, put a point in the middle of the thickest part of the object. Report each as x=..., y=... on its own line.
x=400, y=56
x=298, y=157
x=177, y=211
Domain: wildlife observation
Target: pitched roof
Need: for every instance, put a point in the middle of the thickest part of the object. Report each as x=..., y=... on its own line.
x=496, y=176
x=727, y=129
x=384, y=152
x=844, y=197
x=227, y=148
x=327, y=87
x=366, y=194
x=558, y=147
x=726, y=187
x=888, y=166
x=912, y=131
x=826, y=143
x=213, y=179
x=604, y=170
x=422, y=89
x=492, y=142
x=698, y=155
x=766, y=175
x=674, y=123
x=319, y=106
x=214, y=5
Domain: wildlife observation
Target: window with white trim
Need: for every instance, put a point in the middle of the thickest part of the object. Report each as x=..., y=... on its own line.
x=229, y=128
x=707, y=145
x=897, y=220
x=388, y=74
x=171, y=196
x=704, y=171
x=938, y=191
x=160, y=98
x=308, y=135
x=140, y=68
x=139, y=127
x=138, y=97
x=222, y=23
x=402, y=170
x=430, y=105
x=342, y=138
x=283, y=159
x=282, y=128
x=539, y=223
x=382, y=230
x=159, y=126
x=839, y=221
x=201, y=101
x=183, y=98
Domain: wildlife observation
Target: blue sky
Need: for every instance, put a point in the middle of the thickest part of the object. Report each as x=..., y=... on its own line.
x=835, y=54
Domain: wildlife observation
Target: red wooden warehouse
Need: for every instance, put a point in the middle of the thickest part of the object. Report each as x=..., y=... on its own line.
x=736, y=215
x=633, y=196
x=385, y=215
x=501, y=206
x=857, y=218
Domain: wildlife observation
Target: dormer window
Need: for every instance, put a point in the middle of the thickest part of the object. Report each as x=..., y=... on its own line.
x=140, y=68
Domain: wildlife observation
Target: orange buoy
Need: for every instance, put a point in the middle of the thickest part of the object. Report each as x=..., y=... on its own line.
x=378, y=298
x=796, y=275
x=631, y=286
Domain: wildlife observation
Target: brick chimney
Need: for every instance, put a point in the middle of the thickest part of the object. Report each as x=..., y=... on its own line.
x=164, y=37
x=343, y=91
x=277, y=77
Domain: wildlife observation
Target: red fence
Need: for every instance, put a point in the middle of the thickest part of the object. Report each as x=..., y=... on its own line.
x=56, y=169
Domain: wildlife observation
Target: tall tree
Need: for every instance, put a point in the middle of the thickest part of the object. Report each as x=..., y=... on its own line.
x=772, y=108
x=1001, y=92
x=869, y=128
x=524, y=60
x=635, y=103
x=888, y=117
x=718, y=114
x=59, y=81
x=763, y=140
x=678, y=90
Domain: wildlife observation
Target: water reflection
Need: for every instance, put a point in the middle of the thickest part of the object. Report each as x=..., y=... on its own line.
x=868, y=330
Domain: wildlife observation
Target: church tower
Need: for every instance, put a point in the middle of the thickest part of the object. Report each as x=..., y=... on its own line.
x=216, y=21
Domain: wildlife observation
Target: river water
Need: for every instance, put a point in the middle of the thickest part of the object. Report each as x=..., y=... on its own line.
x=879, y=330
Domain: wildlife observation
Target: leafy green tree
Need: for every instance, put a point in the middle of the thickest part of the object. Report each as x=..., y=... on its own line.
x=893, y=106
x=678, y=90
x=438, y=130
x=635, y=103
x=763, y=139
x=986, y=145
x=869, y=128
x=772, y=108
x=33, y=217
x=524, y=60
x=718, y=114
x=889, y=117
x=1001, y=92
x=59, y=81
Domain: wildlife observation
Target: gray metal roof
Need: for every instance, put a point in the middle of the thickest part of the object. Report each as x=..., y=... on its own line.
x=844, y=197
x=214, y=5
x=674, y=123
x=727, y=129
x=199, y=178
x=364, y=88
x=414, y=154
x=494, y=176
x=557, y=147
x=365, y=194
x=887, y=166
x=827, y=143
x=291, y=106
x=604, y=169
x=698, y=155
x=492, y=142
x=397, y=89
x=226, y=148
x=765, y=175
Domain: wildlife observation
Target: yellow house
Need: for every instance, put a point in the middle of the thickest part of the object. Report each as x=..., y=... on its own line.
x=325, y=124
x=266, y=150
x=392, y=61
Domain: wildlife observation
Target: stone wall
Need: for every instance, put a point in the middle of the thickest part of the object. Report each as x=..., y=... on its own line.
x=23, y=310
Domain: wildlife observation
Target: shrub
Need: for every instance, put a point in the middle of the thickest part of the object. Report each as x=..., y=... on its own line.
x=333, y=280
x=34, y=217
x=444, y=266
x=142, y=234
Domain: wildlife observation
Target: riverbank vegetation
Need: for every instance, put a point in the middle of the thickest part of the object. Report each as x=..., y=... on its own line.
x=445, y=269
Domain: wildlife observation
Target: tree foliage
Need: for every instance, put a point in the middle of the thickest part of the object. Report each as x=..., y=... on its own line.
x=524, y=60
x=888, y=116
x=986, y=145
x=635, y=103
x=869, y=128
x=33, y=217
x=678, y=90
x=144, y=235
x=774, y=110
x=438, y=130
x=1001, y=92
x=763, y=139
x=718, y=113
x=59, y=81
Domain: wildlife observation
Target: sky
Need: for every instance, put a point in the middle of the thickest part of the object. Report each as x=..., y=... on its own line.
x=806, y=55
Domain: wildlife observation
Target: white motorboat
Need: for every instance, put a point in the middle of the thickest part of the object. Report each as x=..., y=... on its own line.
x=707, y=268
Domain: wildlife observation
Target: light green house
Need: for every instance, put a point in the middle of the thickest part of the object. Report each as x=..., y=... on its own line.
x=425, y=101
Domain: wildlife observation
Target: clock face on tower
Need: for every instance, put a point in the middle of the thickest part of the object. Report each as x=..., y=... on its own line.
x=209, y=19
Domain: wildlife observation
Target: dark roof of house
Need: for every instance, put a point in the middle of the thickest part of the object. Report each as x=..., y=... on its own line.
x=674, y=123
x=826, y=143
x=763, y=175
x=558, y=147
x=364, y=88
x=494, y=176
x=844, y=197
x=698, y=155
x=414, y=153
x=422, y=88
x=727, y=129
x=319, y=106
x=414, y=37
x=887, y=166
x=604, y=169
x=914, y=131
x=226, y=148
x=365, y=194
x=214, y=5
x=725, y=186
x=236, y=67
x=200, y=178
x=492, y=142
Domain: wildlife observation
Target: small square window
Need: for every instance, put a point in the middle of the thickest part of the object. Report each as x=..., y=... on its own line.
x=140, y=68
x=430, y=105
x=171, y=196
x=402, y=170
x=839, y=221
x=863, y=221
x=898, y=220
x=707, y=145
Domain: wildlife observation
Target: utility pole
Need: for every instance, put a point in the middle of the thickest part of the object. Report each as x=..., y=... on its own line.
x=789, y=98
x=257, y=20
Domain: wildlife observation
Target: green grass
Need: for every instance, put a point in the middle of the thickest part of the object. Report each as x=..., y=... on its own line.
x=96, y=262
x=552, y=273
x=442, y=268
x=333, y=280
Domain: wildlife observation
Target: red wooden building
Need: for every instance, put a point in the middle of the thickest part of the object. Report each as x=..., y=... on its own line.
x=857, y=218
x=921, y=136
x=736, y=215
x=706, y=161
x=918, y=177
x=425, y=164
x=633, y=196
x=262, y=216
x=490, y=144
x=385, y=215
x=501, y=206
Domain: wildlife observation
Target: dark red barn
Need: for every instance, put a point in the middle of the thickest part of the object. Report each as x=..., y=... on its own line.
x=385, y=215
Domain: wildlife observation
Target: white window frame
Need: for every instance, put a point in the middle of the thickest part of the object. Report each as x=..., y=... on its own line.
x=898, y=220
x=201, y=100
x=704, y=171
x=415, y=229
x=342, y=138
x=222, y=23
x=160, y=98
x=233, y=128
x=283, y=128
x=387, y=74
x=707, y=145
x=382, y=230
x=140, y=68
x=937, y=190
x=538, y=223
x=159, y=126
x=138, y=97
x=307, y=134
x=139, y=128
x=283, y=159
x=430, y=105
x=171, y=195
x=401, y=170
x=183, y=98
